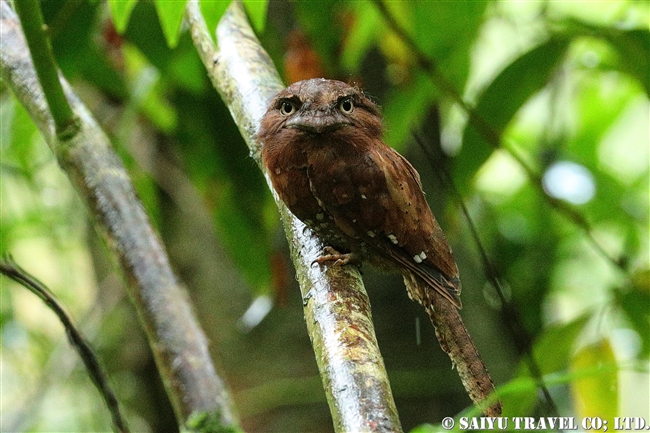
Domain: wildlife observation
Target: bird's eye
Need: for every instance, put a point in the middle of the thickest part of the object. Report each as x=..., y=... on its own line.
x=287, y=108
x=346, y=106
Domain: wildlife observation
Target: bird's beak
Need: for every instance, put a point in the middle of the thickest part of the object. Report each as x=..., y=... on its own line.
x=317, y=123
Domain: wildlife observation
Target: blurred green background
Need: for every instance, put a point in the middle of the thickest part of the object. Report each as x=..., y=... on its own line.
x=566, y=86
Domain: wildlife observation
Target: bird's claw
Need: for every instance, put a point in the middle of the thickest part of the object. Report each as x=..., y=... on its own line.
x=338, y=259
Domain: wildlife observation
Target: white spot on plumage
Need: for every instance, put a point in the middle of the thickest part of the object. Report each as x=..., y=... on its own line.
x=423, y=255
x=278, y=170
x=417, y=258
x=392, y=238
x=371, y=234
x=363, y=196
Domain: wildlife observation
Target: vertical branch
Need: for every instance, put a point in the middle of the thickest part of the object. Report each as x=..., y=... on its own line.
x=180, y=348
x=336, y=305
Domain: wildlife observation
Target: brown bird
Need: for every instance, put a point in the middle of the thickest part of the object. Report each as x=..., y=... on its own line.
x=323, y=149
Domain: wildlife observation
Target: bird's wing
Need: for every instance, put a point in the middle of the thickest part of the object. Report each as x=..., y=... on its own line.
x=377, y=197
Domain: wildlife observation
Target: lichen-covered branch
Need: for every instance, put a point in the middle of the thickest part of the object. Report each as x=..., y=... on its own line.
x=180, y=348
x=336, y=305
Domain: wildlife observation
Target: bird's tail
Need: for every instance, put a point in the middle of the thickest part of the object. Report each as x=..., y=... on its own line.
x=456, y=341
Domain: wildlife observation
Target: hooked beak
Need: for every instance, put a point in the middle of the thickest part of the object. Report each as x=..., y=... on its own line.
x=317, y=123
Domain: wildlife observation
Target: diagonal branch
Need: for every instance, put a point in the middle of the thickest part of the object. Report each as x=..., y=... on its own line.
x=336, y=305
x=179, y=346
x=492, y=135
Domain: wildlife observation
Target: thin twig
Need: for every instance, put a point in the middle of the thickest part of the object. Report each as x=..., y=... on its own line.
x=493, y=136
x=99, y=378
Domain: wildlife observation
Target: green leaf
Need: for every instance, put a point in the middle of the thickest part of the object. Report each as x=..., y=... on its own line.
x=426, y=428
x=634, y=49
x=596, y=395
x=634, y=304
x=212, y=12
x=552, y=352
x=553, y=349
x=121, y=12
x=632, y=46
x=501, y=100
x=256, y=10
x=518, y=396
x=170, y=14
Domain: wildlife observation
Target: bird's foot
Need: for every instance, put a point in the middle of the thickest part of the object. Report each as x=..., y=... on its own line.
x=330, y=255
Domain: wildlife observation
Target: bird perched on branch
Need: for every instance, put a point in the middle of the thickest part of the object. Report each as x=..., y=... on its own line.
x=323, y=149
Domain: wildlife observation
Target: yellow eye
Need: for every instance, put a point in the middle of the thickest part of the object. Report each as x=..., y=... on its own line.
x=346, y=106
x=287, y=108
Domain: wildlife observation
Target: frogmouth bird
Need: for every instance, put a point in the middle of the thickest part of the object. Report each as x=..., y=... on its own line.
x=323, y=149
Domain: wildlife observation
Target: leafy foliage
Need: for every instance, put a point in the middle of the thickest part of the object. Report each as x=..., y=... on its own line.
x=531, y=72
x=551, y=84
